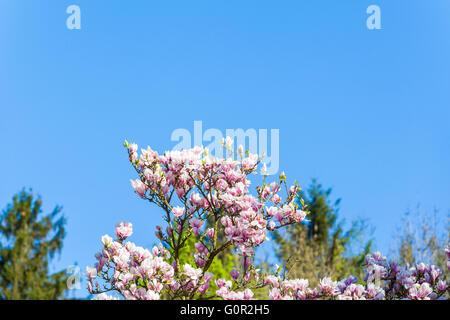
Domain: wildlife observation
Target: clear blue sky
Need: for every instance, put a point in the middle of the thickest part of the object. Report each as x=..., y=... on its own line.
x=365, y=111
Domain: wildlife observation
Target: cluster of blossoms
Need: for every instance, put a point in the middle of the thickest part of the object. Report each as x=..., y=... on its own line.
x=209, y=200
x=346, y=289
x=137, y=273
x=202, y=197
x=383, y=280
x=142, y=274
x=193, y=187
x=134, y=271
x=419, y=282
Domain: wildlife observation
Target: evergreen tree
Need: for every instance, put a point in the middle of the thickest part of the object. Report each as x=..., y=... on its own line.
x=28, y=241
x=321, y=247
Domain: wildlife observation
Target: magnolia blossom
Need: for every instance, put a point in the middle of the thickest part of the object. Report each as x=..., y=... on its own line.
x=234, y=274
x=139, y=187
x=91, y=272
x=211, y=202
x=196, y=224
x=124, y=230
x=420, y=282
x=143, y=274
x=213, y=185
x=107, y=240
x=420, y=291
x=178, y=211
x=210, y=232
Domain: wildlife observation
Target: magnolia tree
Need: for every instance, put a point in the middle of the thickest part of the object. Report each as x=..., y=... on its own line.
x=203, y=197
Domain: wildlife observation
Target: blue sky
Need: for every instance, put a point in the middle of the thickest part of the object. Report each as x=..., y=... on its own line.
x=365, y=111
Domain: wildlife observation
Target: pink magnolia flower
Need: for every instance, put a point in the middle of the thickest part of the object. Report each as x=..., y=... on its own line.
x=273, y=281
x=124, y=230
x=442, y=285
x=200, y=262
x=180, y=192
x=223, y=283
x=192, y=273
x=107, y=240
x=200, y=247
x=421, y=267
x=195, y=199
x=178, y=211
x=299, y=216
x=374, y=292
x=327, y=286
x=219, y=189
x=91, y=272
x=196, y=224
x=420, y=291
x=275, y=294
x=222, y=292
x=210, y=232
x=133, y=148
x=276, y=199
x=139, y=187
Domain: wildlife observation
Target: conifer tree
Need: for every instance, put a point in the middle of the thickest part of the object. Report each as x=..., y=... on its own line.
x=28, y=241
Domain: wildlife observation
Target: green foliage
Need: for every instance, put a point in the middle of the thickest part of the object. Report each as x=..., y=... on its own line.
x=28, y=241
x=321, y=247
